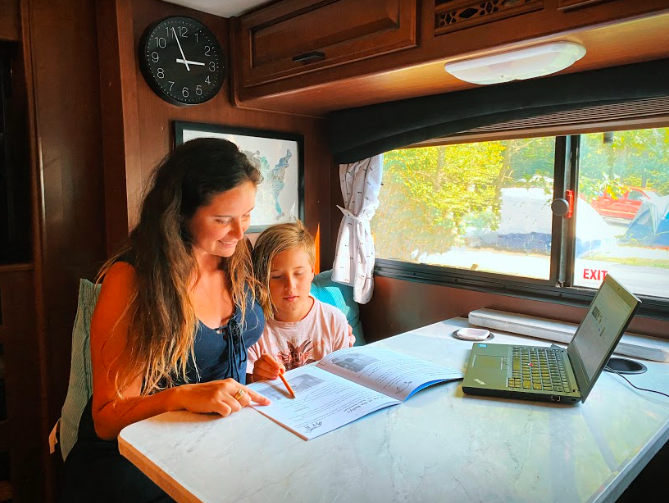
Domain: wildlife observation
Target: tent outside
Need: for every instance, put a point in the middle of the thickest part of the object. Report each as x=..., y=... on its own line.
x=526, y=220
x=650, y=226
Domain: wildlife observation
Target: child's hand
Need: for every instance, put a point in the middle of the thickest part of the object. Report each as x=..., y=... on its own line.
x=267, y=367
x=351, y=337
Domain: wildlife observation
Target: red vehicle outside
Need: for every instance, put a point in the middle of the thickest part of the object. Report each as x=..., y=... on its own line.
x=624, y=206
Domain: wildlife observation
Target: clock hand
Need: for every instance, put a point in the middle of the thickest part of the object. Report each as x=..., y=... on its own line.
x=185, y=62
x=198, y=63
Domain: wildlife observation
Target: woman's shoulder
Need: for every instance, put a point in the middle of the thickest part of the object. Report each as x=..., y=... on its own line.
x=119, y=280
x=120, y=270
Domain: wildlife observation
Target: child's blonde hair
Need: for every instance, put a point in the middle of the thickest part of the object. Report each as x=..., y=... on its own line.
x=270, y=243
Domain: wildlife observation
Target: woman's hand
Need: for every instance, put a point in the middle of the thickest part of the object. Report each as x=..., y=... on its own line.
x=220, y=397
x=266, y=367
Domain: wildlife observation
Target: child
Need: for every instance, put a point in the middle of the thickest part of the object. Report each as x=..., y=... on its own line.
x=299, y=329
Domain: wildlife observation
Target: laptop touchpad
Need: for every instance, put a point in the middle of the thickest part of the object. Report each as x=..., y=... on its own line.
x=488, y=362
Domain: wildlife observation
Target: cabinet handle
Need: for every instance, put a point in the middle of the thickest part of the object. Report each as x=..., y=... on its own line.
x=309, y=57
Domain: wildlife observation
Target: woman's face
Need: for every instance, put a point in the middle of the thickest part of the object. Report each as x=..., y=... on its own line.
x=218, y=227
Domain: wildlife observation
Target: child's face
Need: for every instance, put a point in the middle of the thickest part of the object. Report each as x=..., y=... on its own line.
x=290, y=280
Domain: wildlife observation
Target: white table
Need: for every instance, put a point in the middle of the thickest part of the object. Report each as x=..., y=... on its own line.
x=440, y=445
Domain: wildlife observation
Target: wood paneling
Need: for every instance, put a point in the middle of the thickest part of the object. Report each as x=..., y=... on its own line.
x=120, y=117
x=577, y=4
x=67, y=111
x=419, y=304
x=10, y=26
x=64, y=116
x=147, y=132
x=420, y=71
x=20, y=434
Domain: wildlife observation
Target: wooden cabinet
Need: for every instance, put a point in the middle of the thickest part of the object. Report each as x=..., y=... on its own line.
x=296, y=37
x=574, y=4
x=313, y=57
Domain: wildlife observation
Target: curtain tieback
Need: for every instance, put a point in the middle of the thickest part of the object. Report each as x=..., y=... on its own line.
x=351, y=215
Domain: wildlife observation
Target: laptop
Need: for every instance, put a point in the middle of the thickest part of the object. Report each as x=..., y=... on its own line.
x=553, y=374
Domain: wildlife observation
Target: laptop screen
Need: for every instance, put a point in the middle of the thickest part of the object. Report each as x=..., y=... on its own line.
x=599, y=332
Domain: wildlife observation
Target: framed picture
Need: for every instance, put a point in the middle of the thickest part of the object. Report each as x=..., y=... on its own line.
x=279, y=156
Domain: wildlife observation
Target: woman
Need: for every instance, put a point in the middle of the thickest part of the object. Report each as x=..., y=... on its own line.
x=174, y=318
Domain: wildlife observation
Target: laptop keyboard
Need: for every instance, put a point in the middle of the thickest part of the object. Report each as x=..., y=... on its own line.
x=538, y=369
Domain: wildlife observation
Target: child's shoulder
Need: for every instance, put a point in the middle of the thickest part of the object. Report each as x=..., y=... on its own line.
x=329, y=311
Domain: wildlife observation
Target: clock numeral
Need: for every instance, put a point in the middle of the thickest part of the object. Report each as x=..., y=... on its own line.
x=183, y=30
x=207, y=50
x=154, y=57
x=185, y=92
x=212, y=66
x=197, y=37
x=160, y=73
x=171, y=83
x=162, y=42
x=207, y=80
x=198, y=90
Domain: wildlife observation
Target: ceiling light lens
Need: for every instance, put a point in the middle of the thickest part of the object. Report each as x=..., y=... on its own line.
x=521, y=64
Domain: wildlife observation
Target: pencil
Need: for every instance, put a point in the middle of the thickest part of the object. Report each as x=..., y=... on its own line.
x=290, y=390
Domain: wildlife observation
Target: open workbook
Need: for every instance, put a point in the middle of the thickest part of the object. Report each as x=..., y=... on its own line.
x=345, y=386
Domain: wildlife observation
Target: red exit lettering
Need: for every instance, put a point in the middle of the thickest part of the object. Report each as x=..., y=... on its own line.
x=596, y=274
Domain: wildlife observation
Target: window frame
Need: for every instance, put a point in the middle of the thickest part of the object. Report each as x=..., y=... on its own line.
x=558, y=288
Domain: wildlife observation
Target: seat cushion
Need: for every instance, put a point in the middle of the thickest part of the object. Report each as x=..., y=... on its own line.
x=80, y=387
x=341, y=296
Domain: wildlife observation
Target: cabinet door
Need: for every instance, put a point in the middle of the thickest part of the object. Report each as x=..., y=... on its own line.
x=573, y=4
x=295, y=37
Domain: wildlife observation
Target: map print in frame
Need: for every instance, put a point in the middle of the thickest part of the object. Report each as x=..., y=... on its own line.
x=278, y=156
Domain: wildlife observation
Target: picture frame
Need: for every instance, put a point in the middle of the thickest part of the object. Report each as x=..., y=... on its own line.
x=278, y=155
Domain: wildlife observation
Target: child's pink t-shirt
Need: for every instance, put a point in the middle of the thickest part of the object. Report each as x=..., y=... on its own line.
x=321, y=332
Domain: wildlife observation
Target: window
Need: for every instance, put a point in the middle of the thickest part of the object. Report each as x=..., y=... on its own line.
x=479, y=214
x=624, y=190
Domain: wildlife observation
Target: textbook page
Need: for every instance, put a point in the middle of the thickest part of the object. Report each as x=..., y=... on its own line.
x=323, y=402
x=394, y=374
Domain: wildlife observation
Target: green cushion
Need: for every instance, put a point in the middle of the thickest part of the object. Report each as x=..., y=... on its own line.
x=80, y=387
x=341, y=296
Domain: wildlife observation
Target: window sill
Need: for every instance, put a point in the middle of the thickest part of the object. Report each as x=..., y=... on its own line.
x=525, y=288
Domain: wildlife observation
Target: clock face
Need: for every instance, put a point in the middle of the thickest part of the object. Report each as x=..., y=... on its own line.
x=182, y=61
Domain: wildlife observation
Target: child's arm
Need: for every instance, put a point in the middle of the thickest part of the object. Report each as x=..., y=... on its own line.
x=341, y=331
x=252, y=355
x=351, y=337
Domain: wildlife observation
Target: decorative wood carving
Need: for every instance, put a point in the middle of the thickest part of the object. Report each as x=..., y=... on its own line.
x=452, y=15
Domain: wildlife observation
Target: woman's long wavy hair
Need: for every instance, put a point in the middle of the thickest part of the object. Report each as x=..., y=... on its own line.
x=163, y=323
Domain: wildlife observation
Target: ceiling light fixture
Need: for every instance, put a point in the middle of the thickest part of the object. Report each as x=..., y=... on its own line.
x=520, y=64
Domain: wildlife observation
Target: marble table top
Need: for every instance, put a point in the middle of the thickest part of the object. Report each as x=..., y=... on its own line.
x=440, y=445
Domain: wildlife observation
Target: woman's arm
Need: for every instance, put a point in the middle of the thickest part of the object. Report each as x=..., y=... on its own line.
x=109, y=329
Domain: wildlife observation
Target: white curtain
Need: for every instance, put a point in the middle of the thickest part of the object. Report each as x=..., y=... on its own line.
x=354, y=256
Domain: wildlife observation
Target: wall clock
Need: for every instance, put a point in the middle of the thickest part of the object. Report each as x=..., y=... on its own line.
x=181, y=60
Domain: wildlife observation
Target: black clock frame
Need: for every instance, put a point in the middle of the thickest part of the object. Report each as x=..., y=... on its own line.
x=151, y=79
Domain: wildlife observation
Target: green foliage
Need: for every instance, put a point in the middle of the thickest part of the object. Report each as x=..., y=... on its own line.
x=428, y=193
x=610, y=162
x=431, y=196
